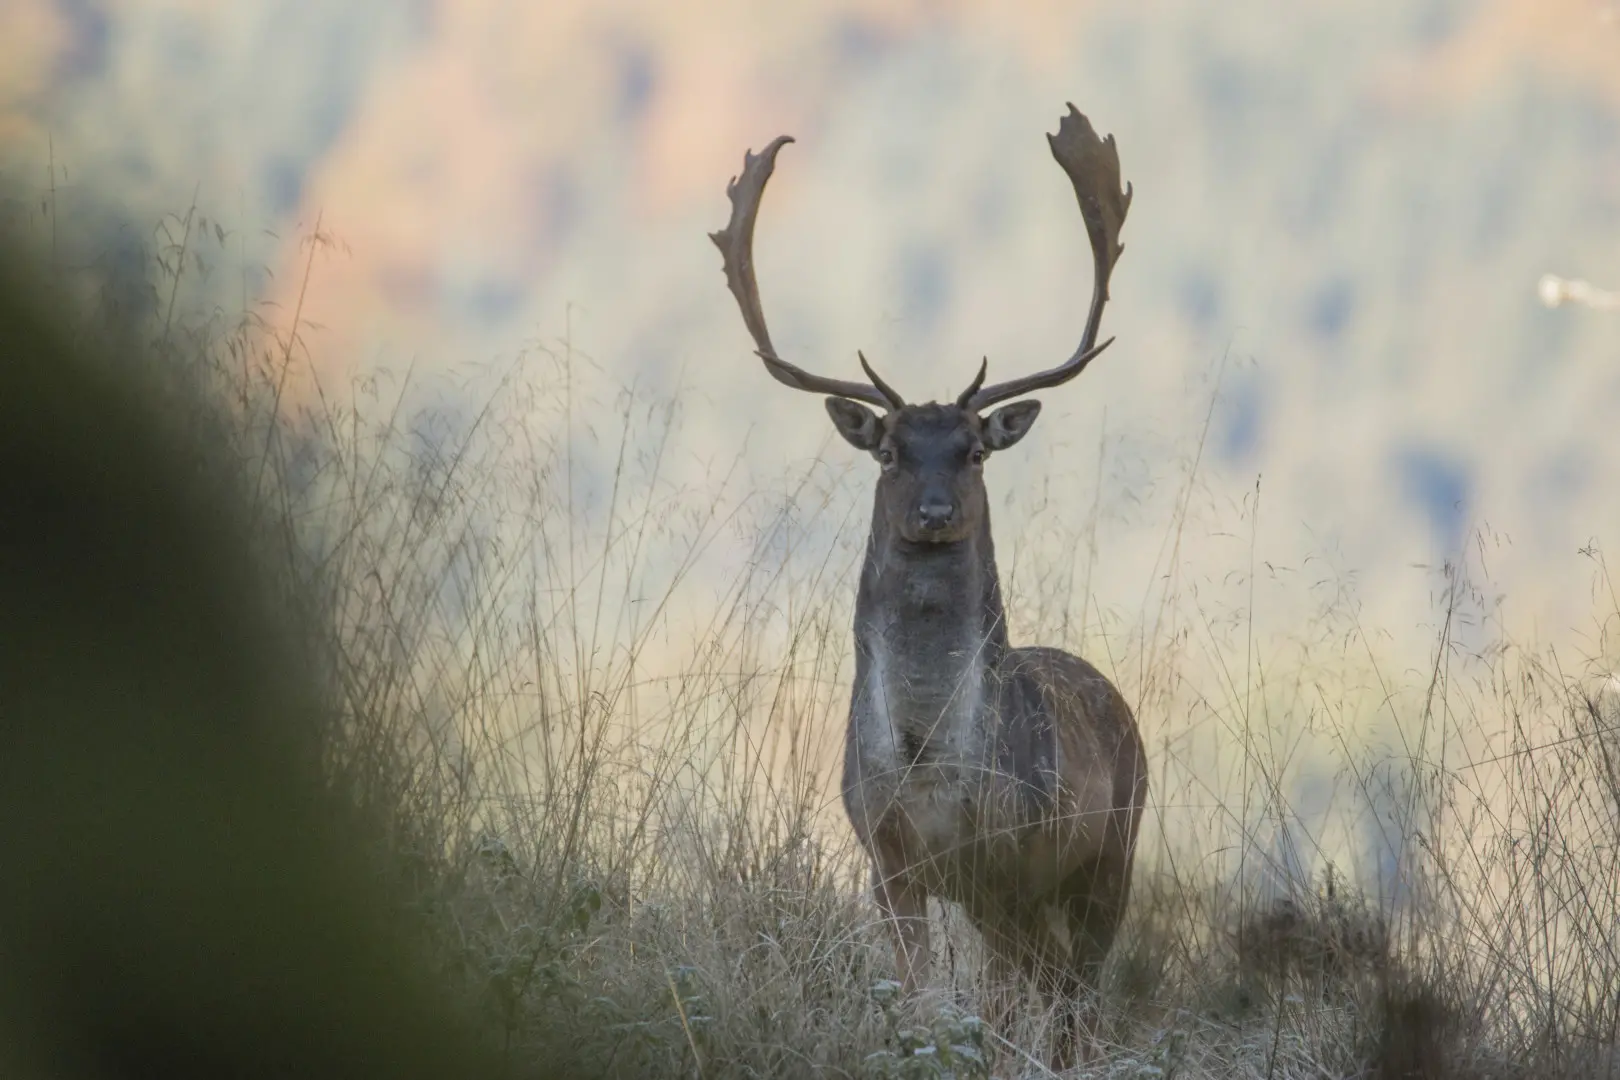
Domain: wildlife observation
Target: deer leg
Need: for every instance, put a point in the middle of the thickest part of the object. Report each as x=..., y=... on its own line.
x=904, y=904
x=1074, y=1028
x=1003, y=979
x=1047, y=950
x=1093, y=909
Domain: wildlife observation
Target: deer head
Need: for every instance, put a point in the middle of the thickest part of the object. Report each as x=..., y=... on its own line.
x=931, y=489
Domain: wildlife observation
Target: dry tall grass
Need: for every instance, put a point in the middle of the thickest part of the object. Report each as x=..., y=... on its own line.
x=608, y=771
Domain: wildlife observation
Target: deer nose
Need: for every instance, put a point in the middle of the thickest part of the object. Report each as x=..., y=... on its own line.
x=935, y=515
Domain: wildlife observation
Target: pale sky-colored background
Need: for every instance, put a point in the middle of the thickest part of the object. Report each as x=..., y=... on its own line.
x=1342, y=209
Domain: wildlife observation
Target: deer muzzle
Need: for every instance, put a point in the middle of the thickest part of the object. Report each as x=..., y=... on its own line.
x=936, y=516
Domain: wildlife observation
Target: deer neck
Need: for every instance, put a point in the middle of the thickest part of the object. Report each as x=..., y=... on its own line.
x=930, y=634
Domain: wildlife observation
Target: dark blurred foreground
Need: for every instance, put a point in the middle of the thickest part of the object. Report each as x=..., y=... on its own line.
x=180, y=889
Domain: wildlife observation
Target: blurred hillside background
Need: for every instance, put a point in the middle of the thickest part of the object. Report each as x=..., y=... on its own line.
x=1342, y=210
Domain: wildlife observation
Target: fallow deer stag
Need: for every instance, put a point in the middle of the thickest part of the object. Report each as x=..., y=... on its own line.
x=1007, y=780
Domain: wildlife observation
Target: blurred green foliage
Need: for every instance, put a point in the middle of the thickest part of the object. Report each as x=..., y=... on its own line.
x=182, y=890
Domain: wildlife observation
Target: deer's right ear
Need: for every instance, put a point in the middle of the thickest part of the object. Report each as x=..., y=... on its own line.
x=859, y=425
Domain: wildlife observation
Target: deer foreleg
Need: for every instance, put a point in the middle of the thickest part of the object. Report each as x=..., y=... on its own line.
x=904, y=904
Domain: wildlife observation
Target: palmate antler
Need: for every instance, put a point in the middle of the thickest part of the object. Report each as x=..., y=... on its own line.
x=736, y=244
x=1093, y=167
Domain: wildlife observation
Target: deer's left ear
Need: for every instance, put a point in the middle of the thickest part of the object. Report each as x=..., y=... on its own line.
x=1008, y=424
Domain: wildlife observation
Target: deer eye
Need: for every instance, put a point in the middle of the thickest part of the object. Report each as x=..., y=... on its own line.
x=977, y=457
x=885, y=457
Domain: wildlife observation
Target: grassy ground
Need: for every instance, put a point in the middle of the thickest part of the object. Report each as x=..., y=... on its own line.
x=606, y=771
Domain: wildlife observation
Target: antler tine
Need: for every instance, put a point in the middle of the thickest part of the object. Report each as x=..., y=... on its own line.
x=893, y=399
x=965, y=398
x=1093, y=167
x=736, y=244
